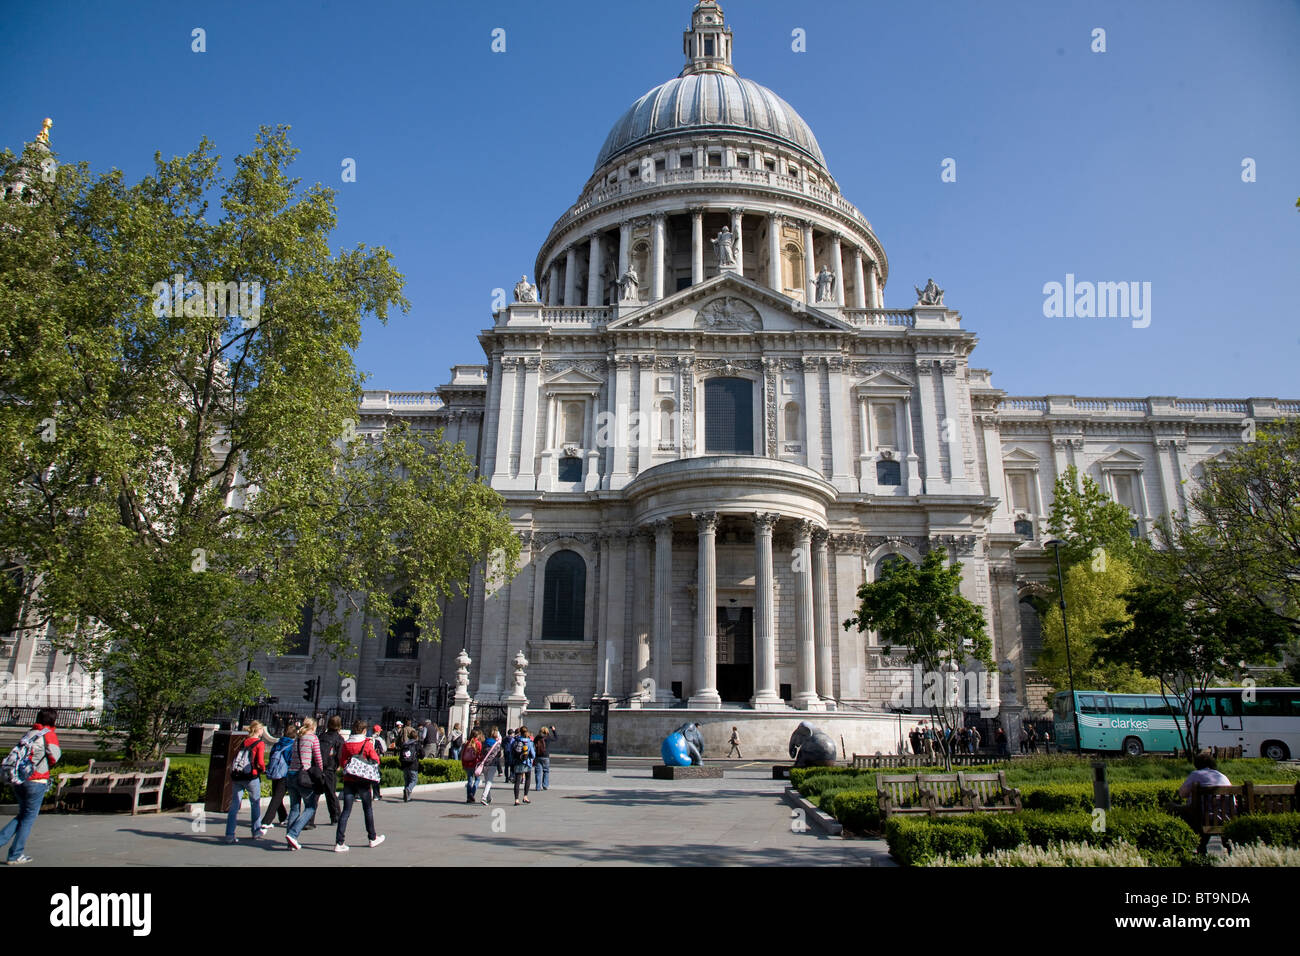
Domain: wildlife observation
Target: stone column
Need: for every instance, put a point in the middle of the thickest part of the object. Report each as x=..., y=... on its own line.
x=571, y=276
x=697, y=245
x=737, y=221
x=841, y=438
x=705, y=676
x=812, y=412
x=859, y=281
x=553, y=286
x=805, y=692
x=657, y=253
x=934, y=480
x=765, y=689
x=621, y=402
x=505, y=419
x=837, y=267
x=913, y=476
x=809, y=265
x=822, y=615
x=641, y=632
x=663, y=635
x=595, y=264
x=952, y=409
x=624, y=247
x=873, y=292
x=528, y=437
x=517, y=702
x=774, y=252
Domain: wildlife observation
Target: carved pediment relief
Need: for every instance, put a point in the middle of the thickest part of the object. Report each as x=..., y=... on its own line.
x=728, y=314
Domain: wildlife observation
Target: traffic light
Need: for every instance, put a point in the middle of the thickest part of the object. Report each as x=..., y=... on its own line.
x=309, y=690
x=412, y=691
x=424, y=696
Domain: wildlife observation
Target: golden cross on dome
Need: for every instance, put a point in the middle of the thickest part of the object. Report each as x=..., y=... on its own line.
x=44, y=135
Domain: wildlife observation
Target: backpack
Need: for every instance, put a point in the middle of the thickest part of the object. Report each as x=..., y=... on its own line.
x=242, y=767
x=520, y=749
x=469, y=756
x=410, y=753
x=277, y=767
x=19, y=766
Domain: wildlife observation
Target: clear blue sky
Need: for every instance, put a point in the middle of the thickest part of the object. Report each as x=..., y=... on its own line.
x=1123, y=165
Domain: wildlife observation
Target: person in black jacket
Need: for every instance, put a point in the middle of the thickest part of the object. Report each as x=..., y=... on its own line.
x=331, y=745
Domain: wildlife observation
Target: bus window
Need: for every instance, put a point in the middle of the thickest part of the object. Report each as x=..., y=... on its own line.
x=1227, y=705
x=1127, y=704
x=1265, y=704
x=1159, y=707
x=1063, y=705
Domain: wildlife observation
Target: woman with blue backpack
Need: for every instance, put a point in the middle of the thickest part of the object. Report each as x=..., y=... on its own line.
x=524, y=753
x=277, y=771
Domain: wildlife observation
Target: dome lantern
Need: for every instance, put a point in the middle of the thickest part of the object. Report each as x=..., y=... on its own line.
x=707, y=44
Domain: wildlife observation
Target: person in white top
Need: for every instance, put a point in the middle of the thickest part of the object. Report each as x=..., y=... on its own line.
x=1206, y=774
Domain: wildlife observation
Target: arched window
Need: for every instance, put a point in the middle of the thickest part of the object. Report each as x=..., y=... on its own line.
x=667, y=421
x=403, y=632
x=564, y=597
x=888, y=473
x=886, y=434
x=729, y=416
x=792, y=421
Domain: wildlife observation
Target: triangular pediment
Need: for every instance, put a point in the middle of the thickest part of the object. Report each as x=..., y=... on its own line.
x=573, y=377
x=1018, y=456
x=1121, y=457
x=883, y=380
x=728, y=304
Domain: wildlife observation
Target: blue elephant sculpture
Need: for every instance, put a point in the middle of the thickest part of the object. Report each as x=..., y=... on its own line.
x=684, y=747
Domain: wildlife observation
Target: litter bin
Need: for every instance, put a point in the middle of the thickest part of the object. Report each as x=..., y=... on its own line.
x=225, y=744
x=199, y=736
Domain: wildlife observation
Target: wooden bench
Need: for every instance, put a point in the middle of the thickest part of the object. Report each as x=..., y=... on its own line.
x=889, y=761
x=1227, y=753
x=1210, y=809
x=145, y=779
x=928, y=793
x=988, y=791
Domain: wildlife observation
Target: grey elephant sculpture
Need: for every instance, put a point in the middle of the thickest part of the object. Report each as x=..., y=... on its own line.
x=811, y=748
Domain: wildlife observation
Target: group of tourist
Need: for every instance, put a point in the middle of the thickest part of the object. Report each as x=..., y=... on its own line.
x=1030, y=740
x=520, y=756
x=932, y=741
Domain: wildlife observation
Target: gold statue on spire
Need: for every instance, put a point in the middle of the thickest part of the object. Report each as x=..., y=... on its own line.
x=43, y=137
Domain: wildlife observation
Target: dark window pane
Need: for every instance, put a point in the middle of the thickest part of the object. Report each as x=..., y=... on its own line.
x=1024, y=528
x=403, y=633
x=300, y=642
x=729, y=416
x=564, y=597
x=888, y=473
x=570, y=469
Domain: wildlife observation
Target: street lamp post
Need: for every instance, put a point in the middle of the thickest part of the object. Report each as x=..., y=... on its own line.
x=1055, y=544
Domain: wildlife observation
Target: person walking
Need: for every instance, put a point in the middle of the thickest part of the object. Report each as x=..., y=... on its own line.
x=277, y=771
x=331, y=746
x=456, y=740
x=27, y=770
x=440, y=750
x=974, y=743
x=468, y=755
x=360, y=762
x=735, y=743
x=542, y=760
x=525, y=752
x=489, y=764
x=381, y=748
x=246, y=772
x=306, y=772
x=1000, y=738
x=408, y=757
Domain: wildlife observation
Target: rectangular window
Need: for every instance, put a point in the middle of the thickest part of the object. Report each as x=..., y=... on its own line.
x=1018, y=488
x=570, y=469
x=742, y=160
x=659, y=165
x=1125, y=493
x=729, y=416
x=687, y=161
x=715, y=159
x=770, y=164
x=300, y=641
x=708, y=46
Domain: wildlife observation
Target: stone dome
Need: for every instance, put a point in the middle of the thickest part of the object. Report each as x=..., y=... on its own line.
x=712, y=101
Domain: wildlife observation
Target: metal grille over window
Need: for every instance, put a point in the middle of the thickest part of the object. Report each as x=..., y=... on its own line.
x=564, y=597
x=729, y=416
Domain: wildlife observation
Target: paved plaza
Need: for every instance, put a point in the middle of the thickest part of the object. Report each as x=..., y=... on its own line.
x=621, y=817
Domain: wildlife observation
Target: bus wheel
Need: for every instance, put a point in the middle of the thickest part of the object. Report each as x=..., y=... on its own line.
x=1132, y=747
x=1275, y=750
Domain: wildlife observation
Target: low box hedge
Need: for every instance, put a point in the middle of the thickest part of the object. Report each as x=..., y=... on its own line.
x=858, y=811
x=186, y=783
x=1271, y=829
x=1164, y=840
x=1130, y=795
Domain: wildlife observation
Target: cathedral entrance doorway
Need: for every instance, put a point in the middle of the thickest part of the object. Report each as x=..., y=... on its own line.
x=735, y=654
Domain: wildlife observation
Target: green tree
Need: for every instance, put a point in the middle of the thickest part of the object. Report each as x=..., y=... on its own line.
x=921, y=608
x=1085, y=518
x=182, y=472
x=1093, y=597
x=1187, y=644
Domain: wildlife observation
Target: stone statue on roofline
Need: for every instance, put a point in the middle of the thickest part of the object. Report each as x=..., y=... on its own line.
x=930, y=295
x=525, y=291
x=629, y=284
x=724, y=247
x=825, y=285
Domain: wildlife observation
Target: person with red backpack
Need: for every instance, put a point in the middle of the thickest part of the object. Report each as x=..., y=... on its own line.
x=469, y=755
x=246, y=771
x=27, y=770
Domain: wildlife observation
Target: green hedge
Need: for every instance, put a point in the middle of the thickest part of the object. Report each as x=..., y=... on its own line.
x=1164, y=840
x=1131, y=795
x=1271, y=829
x=857, y=810
x=186, y=783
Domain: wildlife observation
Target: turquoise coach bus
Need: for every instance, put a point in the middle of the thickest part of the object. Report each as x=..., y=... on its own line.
x=1127, y=723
